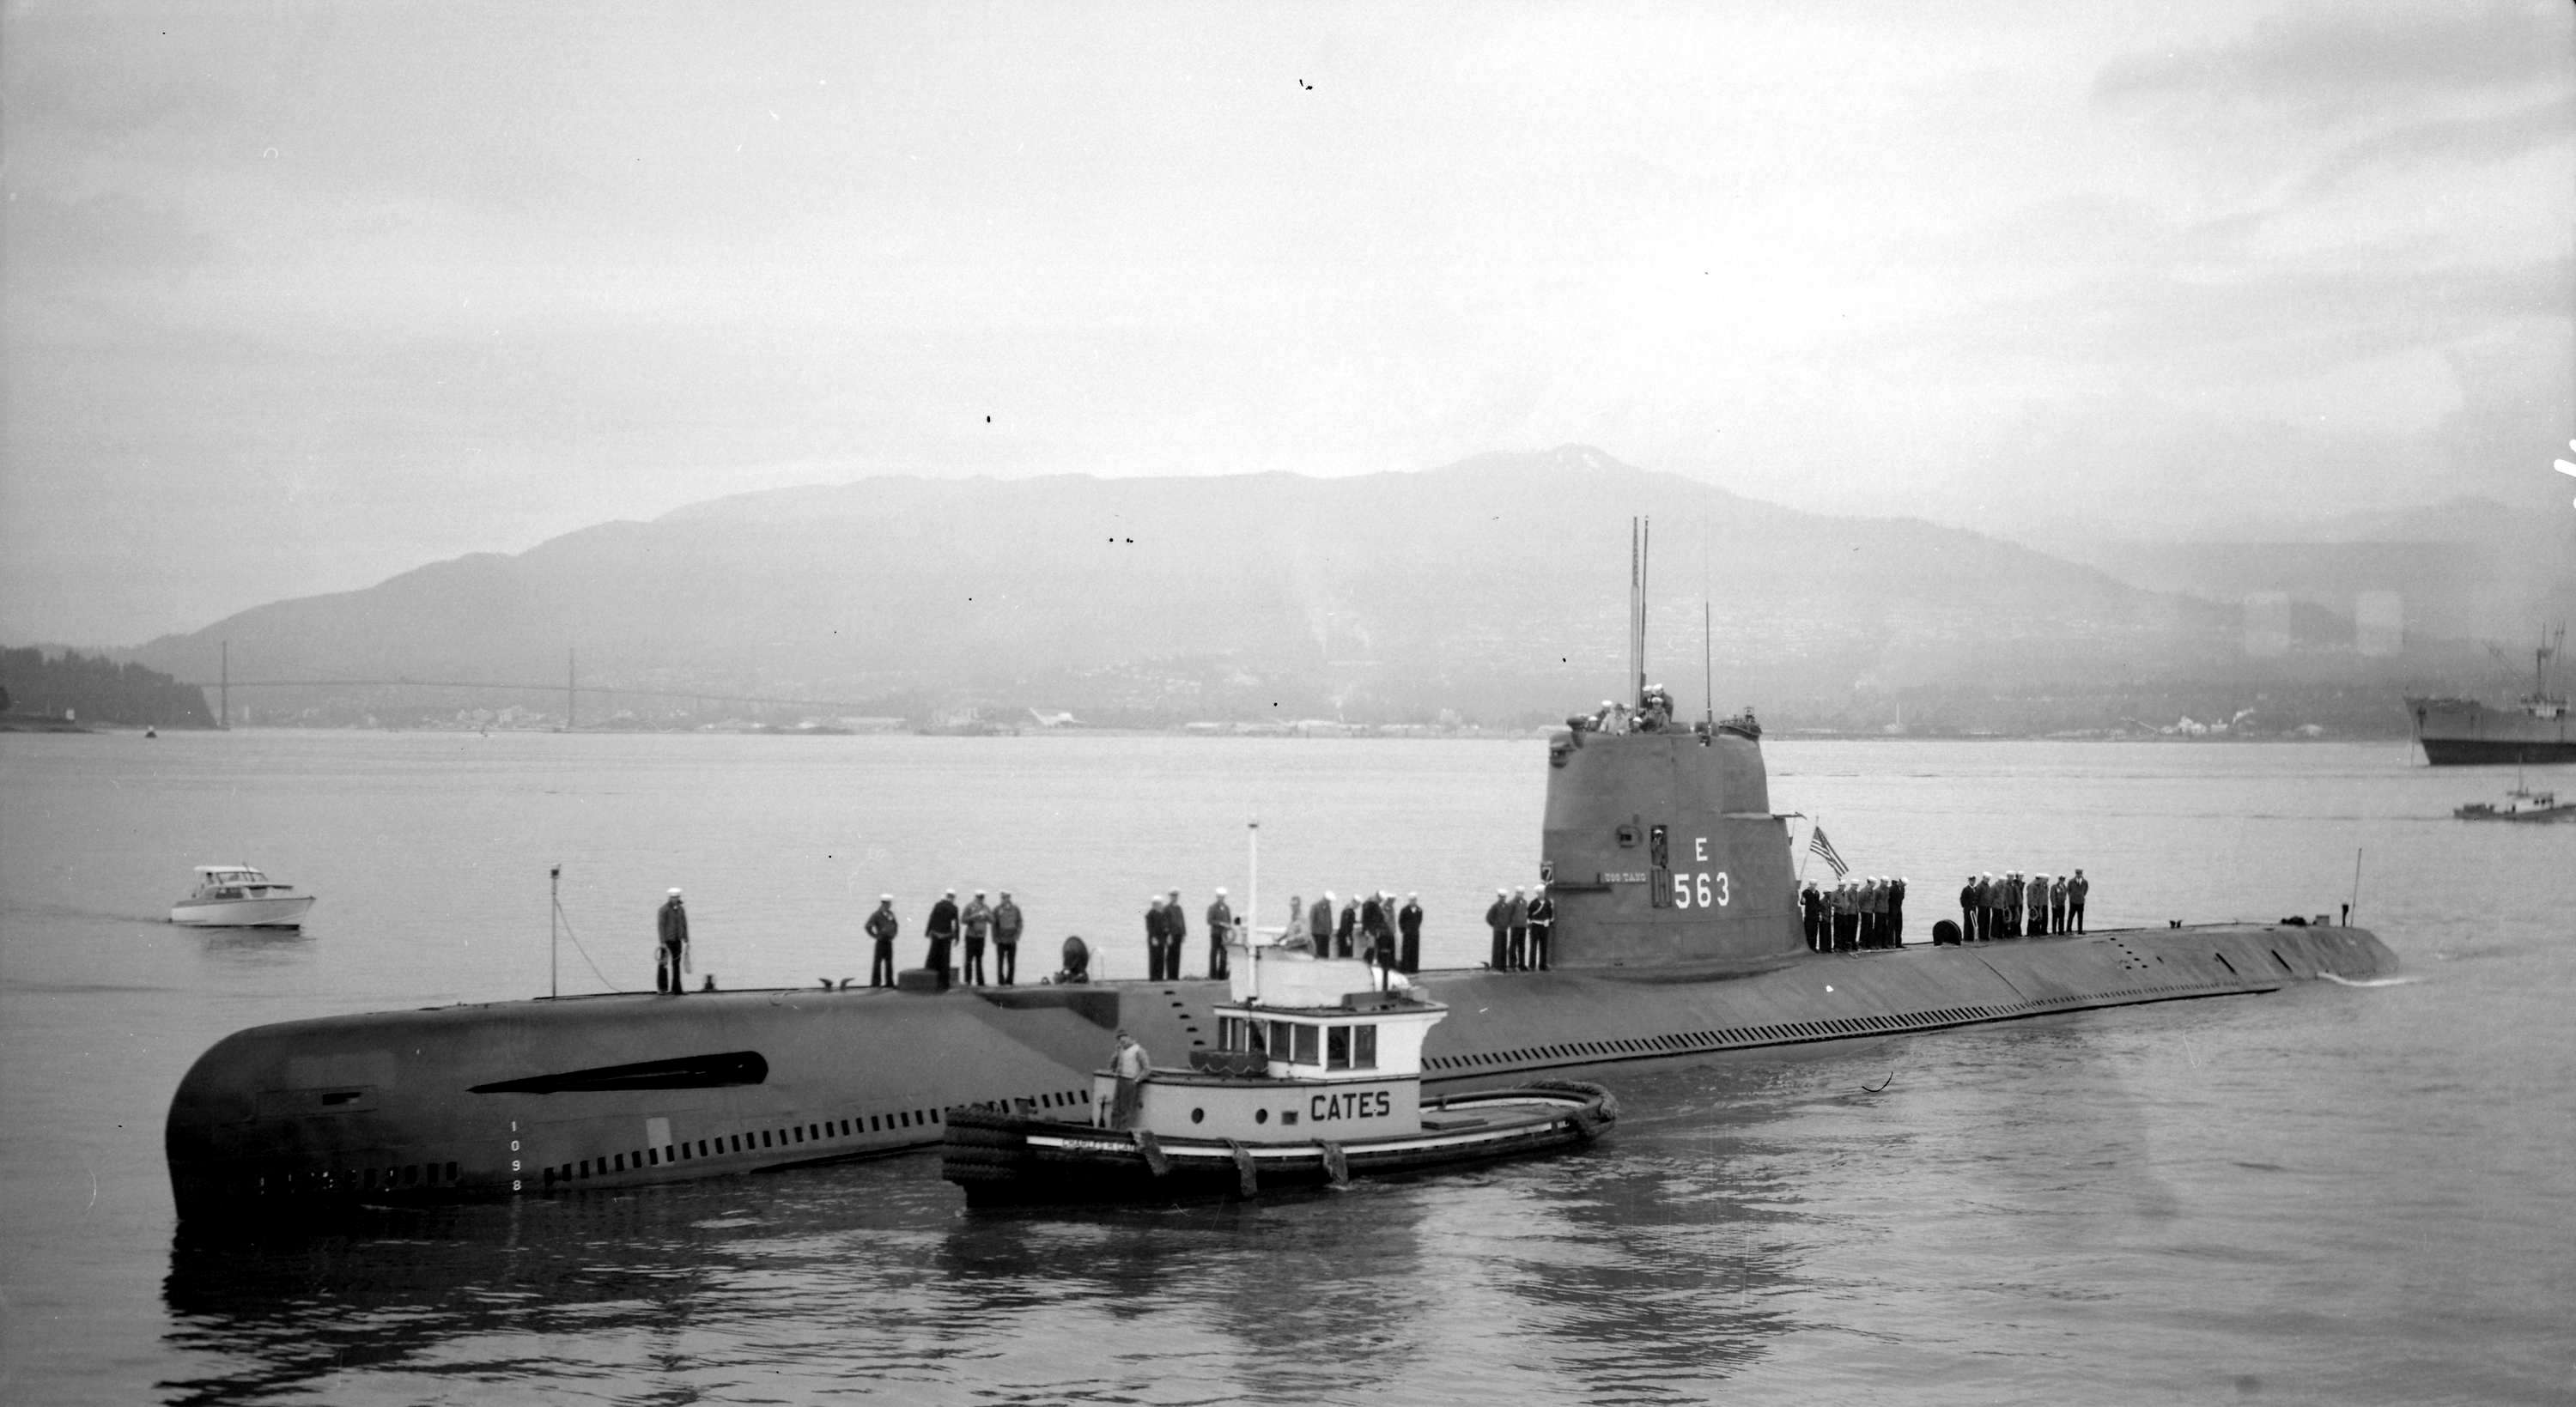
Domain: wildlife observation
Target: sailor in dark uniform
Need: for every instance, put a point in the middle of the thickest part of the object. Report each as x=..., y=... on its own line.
x=941, y=930
x=2076, y=889
x=1408, y=924
x=1372, y=927
x=883, y=926
x=1968, y=910
x=1896, y=912
x=1154, y=932
x=977, y=921
x=1220, y=922
x=1516, y=920
x=1346, y=927
x=1498, y=918
x=1542, y=927
x=671, y=951
x=1007, y=923
x=1810, y=913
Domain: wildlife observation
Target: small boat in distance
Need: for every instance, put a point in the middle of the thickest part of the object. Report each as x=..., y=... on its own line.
x=237, y=896
x=1315, y=1078
x=2544, y=806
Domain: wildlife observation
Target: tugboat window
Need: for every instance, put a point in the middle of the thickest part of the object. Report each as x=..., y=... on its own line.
x=1364, y=1047
x=1307, y=1054
x=1279, y=1041
x=1337, y=1048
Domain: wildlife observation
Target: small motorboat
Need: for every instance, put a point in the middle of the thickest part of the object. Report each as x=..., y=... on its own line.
x=237, y=896
x=2521, y=804
x=1315, y=1079
x=2541, y=806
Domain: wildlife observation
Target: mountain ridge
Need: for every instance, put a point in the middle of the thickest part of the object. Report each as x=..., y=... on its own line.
x=1490, y=587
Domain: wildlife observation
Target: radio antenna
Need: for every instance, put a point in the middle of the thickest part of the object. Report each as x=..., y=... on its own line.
x=1645, y=551
x=1707, y=632
x=1633, y=569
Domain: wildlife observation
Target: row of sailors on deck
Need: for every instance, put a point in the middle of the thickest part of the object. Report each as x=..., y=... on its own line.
x=1855, y=914
x=976, y=924
x=2012, y=905
x=1372, y=928
x=1523, y=921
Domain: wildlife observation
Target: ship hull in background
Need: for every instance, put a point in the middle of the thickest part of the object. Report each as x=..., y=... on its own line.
x=2467, y=733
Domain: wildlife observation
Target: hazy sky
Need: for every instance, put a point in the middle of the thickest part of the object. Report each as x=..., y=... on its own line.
x=300, y=296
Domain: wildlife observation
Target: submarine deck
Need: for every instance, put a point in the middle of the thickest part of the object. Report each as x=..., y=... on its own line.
x=610, y=1090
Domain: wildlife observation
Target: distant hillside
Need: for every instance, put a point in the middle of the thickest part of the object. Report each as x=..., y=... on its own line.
x=95, y=689
x=1494, y=589
x=2471, y=568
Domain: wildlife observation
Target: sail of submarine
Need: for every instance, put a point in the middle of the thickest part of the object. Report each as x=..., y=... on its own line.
x=1677, y=938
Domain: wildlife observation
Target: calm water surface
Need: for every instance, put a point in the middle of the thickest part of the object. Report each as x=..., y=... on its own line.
x=2340, y=1194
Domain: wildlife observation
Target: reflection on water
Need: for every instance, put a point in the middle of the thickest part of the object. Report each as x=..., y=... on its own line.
x=1640, y=1267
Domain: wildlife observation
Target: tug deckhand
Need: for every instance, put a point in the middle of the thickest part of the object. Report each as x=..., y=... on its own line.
x=1316, y=1078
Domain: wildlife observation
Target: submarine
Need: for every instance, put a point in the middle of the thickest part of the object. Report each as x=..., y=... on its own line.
x=1677, y=938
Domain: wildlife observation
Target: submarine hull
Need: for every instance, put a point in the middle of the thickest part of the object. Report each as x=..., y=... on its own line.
x=551, y=1096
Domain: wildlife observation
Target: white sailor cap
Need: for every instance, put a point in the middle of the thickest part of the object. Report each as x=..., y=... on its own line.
x=885, y=898
x=675, y=893
x=1220, y=891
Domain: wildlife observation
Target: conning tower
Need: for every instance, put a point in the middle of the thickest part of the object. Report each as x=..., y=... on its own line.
x=1659, y=846
x=1660, y=849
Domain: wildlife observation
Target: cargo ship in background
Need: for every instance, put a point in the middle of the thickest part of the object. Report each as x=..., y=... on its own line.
x=2467, y=733
x=1677, y=939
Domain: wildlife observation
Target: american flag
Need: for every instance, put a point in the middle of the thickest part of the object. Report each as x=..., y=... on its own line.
x=1824, y=850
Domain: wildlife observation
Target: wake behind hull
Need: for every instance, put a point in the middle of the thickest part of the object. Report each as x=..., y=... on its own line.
x=536, y=1097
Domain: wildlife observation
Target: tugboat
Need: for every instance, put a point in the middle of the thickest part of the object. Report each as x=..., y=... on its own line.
x=1315, y=1079
x=237, y=896
x=2545, y=806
